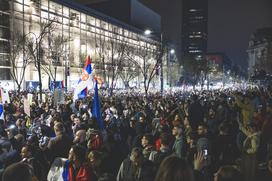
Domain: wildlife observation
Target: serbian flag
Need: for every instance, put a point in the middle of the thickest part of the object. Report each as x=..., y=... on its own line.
x=62, y=170
x=81, y=89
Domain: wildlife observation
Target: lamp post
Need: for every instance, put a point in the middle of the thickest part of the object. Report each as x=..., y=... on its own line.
x=172, y=53
x=161, y=77
x=66, y=72
x=148, y=32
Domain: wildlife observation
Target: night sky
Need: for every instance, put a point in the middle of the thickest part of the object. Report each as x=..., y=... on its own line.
x=231, y=23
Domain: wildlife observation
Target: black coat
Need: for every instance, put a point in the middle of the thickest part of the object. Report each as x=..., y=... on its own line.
x=127, y=171
x=59, y=147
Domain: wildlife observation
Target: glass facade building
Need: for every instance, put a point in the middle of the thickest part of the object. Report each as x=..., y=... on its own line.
x=194, y=27
x=85, y=31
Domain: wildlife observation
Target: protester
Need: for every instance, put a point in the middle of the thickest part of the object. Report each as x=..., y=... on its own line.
x=179, y=146
x=61, y=144
x=174, y=169
x=136, y=167
x=78, y=169
x=228, y=173
x=18, y=171
x=190, y=125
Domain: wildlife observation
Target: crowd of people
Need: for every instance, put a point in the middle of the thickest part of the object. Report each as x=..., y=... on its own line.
x=221, y=135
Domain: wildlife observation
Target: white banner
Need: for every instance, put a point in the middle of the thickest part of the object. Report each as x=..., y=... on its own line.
x=26, y=107
x=4, y=96
x=58, y=97
x=29, y=98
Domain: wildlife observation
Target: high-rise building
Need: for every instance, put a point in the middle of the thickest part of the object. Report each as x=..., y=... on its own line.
x=260, y=51
x=194, y=28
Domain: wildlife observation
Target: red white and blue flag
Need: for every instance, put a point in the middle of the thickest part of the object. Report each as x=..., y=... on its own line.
x=62, y=170
x=81, y=89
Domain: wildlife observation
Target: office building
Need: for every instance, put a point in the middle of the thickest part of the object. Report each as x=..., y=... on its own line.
x=82, y=30
x=194, y=28
x=260, y=51
x=132, y=12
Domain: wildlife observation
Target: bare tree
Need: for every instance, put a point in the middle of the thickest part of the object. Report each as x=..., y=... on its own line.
x=192, y=70
x=127, y=73
x=102, y=54
x=147, y=61
x=56, y=50
x=18, y=66
x=116, y=56
x=35, y=46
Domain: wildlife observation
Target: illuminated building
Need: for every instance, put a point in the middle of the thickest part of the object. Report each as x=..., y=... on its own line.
x=194, y=28
x=84, y=31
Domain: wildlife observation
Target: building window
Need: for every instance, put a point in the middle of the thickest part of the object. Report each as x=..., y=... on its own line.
x=195, y=36
x=4, y=5
x=5, y=74
x=195, y=51
x=192, y=48
x=4, y=60
x=4, y=19
x=193, y=10
x=4, y=33
x=4, y=47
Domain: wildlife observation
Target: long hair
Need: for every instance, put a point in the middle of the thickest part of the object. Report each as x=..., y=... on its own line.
x=174, y=168
x=229, y=173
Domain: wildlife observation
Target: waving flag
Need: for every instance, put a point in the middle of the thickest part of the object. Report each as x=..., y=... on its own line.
x=96, y=112
x=62, y=170
x=59, y=170
x=81, y=89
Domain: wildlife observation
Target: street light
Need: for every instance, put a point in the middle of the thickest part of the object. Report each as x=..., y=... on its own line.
x=171, y=61
x=148, y=32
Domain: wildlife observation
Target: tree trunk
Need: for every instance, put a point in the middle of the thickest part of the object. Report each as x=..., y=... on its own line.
x=146, y=87
x=104, y=70
x=126, y=84
x=146, y=92
x=112, y=80
x=18, y=88
x=40, y=77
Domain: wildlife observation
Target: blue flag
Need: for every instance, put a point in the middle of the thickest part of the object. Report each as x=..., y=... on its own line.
x=1, y=111
x=96, y=112
x=1, y=106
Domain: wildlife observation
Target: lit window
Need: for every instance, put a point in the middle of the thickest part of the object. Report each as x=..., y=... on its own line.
x=195, y=36
x=198, y=17
x=195, y=51
x=192, y=10
x=192, y=48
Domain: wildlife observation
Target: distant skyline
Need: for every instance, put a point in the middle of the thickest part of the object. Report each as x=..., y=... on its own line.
x=230, y=25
